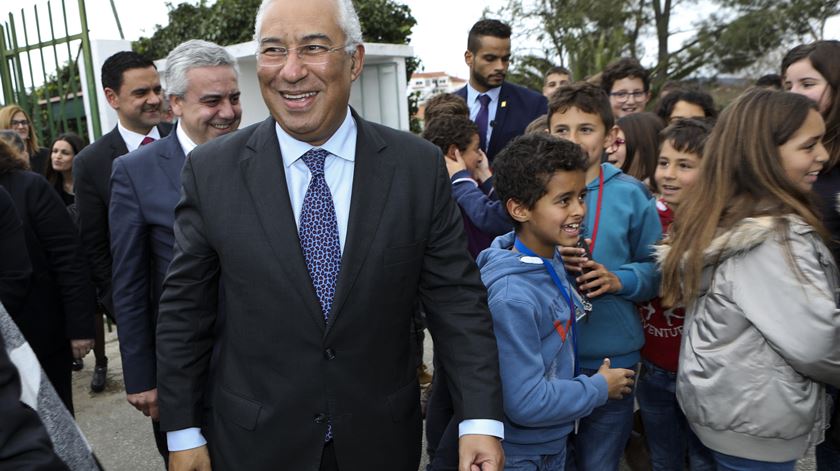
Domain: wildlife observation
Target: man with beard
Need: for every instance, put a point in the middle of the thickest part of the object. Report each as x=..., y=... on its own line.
x=501, y=110
x=132, y=88
x=203, y=92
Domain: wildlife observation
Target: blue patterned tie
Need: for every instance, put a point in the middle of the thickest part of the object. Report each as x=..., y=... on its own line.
x=318, y=232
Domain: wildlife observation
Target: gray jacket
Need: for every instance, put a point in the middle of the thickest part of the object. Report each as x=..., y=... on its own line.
x=760, y=341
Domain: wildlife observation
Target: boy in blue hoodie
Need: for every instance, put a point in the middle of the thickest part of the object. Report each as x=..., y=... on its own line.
x=622, y=226
x=540, y=179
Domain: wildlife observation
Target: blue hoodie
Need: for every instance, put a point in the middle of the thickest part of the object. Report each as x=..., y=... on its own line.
x=628, y=229
x=542, y=398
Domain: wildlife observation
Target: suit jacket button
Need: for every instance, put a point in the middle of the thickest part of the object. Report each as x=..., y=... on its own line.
x=320, y=418
x=329, y=354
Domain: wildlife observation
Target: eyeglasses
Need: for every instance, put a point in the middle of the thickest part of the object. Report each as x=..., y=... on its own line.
x=309, y=54
x=20, y=122
x=623, y=96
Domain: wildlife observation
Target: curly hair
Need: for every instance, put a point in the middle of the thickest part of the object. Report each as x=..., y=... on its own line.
x=447, y=130
x=523, y=168
x=695, y=97
x=445, y=103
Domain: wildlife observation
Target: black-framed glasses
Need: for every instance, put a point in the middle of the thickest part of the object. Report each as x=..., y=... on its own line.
x=309, y=54
x=20, y=122
x=623, y=96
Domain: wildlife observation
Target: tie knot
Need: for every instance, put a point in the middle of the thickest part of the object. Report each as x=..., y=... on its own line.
x=314, y=159
x=484, y=100
x=147, y=140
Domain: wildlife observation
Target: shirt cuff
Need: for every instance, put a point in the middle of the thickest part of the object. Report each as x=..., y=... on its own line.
x=185, y=439
x=481, y=427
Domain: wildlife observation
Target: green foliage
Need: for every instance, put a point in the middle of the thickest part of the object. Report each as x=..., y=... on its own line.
x=585, y=35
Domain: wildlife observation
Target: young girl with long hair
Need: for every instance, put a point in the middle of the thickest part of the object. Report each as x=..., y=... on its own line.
x=748, y=258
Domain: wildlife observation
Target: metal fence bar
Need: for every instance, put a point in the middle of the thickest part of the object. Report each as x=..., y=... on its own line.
x=45, y=89
x=91, y=83
x=59, y=84
x=74, y=65
x=20, y=88
x=5, y=67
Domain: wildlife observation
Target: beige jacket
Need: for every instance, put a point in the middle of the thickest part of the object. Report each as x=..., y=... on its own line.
x=761, y=340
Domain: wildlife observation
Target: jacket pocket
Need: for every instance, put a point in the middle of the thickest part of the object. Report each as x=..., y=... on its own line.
x=237, y=409
x=405, y=401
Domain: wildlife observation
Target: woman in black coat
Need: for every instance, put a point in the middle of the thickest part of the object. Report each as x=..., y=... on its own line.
x=57, y=315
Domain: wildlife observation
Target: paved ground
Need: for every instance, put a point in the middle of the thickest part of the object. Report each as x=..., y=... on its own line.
x=122, y=436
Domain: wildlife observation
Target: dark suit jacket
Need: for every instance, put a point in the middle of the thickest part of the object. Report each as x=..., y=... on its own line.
x=281, y=372
x=145, y=187
x=521, y=106
x=91, y=177
x=60, y=303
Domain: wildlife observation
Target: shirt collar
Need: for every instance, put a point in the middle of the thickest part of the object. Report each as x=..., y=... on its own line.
x=341, y=144
x=133, y=139
x=472, y=94
x=186, y=143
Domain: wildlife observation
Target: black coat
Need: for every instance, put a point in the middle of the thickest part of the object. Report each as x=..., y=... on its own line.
x=91, y=182
x=60, y=303
x=15, y=267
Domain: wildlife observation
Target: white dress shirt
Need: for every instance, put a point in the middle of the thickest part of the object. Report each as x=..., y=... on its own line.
x=338, y=172
x=133, y=139
x=187, y=144
x=475, y=106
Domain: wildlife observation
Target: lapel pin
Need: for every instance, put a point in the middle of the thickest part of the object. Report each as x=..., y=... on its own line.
x=504, y=104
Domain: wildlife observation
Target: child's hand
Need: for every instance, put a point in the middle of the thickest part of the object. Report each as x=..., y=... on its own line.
x=456, y=164
x=619, y=380
x=572, y=258
x=598, y=280
x=482, y=168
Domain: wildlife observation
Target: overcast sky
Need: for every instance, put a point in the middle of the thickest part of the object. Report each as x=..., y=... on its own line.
x=439, y=38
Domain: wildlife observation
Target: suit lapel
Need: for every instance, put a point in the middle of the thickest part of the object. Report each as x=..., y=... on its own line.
x=118, y=146
x=499, y=120
x=371, y=183
x=171, y=160
x=265, y=178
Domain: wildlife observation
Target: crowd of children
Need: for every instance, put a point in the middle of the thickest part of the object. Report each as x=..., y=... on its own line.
x=679, y=263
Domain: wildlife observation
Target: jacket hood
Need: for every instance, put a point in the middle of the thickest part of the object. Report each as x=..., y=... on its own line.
x=499, y=261
x=610, y=172
x=741, y=238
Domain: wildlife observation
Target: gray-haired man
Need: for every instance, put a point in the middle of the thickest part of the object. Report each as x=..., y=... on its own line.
x=202, y=86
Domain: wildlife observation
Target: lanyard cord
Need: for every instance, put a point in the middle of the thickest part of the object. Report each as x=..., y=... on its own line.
x=571, y=323
x=597, y=209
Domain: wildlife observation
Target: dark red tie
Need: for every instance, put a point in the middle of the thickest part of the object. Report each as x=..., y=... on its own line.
x=147, y=140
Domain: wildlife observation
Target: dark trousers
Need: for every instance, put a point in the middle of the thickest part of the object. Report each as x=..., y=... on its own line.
x=441, y=426
x=328, y=460
x=160, y=442
x=57, y=366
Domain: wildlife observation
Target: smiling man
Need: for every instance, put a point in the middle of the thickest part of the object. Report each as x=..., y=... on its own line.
x=501, y=110
x=202, y=86
x=319, y=232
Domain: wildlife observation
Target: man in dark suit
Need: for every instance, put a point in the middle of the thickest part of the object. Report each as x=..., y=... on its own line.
x=202, y=86
x=501, y=110
x=322, y=230
x=132, y=87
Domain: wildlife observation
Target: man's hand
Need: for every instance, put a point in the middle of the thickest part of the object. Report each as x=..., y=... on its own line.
x=480, y=453
x=455, y=165
x=81, y=347
x=146, y=402
x=194, y=459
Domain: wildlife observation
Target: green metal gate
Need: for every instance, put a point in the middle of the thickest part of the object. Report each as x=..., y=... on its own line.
x=40, y=54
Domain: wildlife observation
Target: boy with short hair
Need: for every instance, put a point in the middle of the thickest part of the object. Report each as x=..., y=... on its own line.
x=534, y=305
x=555, y=78
x=628, y=85
x=622, y=225
x=666, y=429
x=444, y=104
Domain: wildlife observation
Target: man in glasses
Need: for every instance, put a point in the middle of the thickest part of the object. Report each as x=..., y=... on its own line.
x=319, y=232
x=628, y=85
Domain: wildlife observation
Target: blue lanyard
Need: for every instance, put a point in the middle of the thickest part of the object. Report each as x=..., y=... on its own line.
x=566, y=295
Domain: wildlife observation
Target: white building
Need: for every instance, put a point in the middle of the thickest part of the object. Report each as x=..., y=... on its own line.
x=432, y=83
